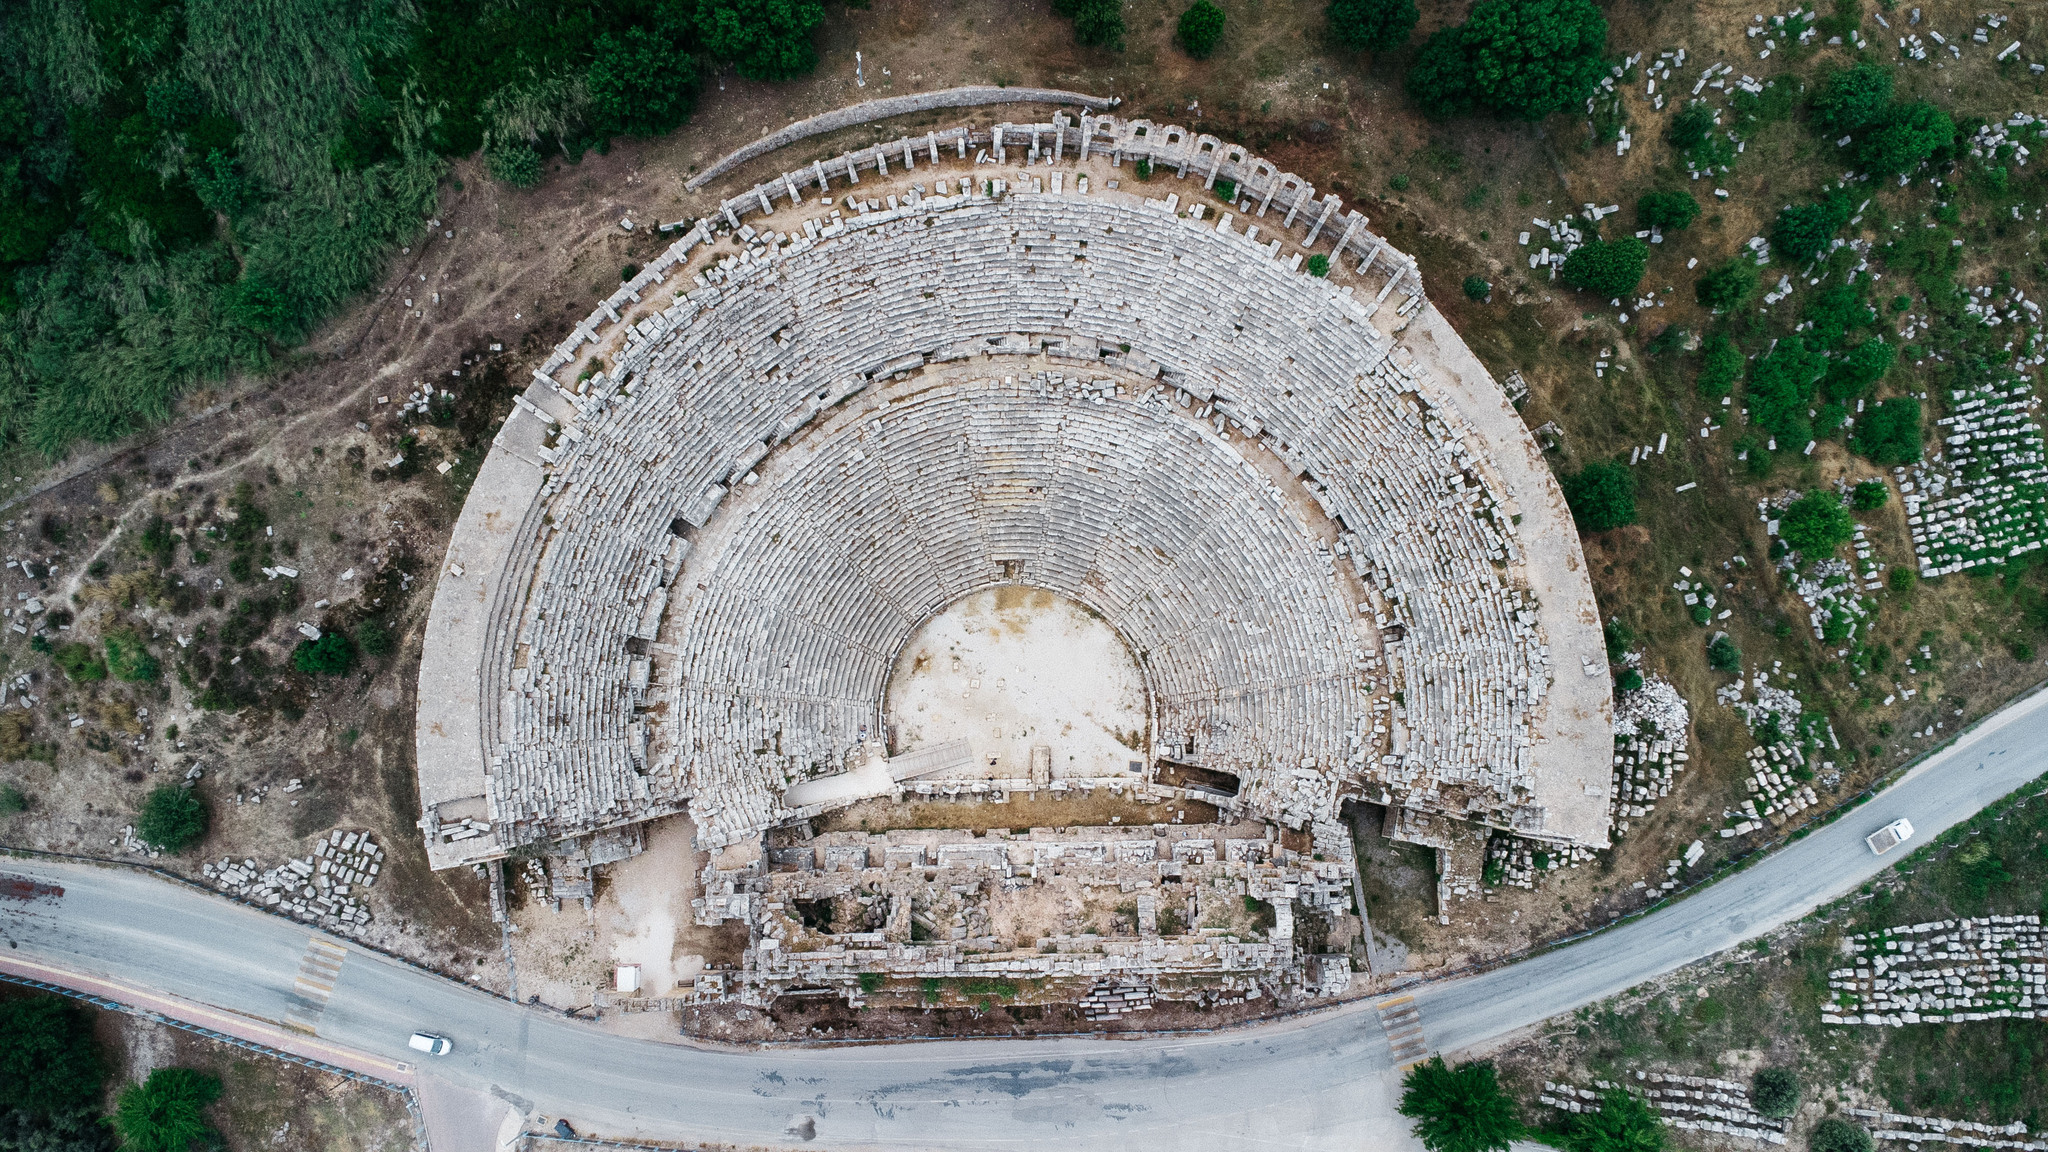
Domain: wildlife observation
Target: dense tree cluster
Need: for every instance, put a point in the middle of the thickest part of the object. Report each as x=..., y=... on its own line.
x=1803, y=231
x=51, y=1077
x=1727, y=286
x=1889, y=137
x=1889, y=433
x=1720, y=365
x=1516, y=58
x=178, y=200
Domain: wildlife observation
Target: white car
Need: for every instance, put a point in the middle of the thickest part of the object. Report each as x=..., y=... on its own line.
x=1890, y=836
x=431, y=1044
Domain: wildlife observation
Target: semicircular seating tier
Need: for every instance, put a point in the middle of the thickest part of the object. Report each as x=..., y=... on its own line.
x=1063, y=377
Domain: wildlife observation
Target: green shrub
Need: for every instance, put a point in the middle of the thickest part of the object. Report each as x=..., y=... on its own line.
x=1226, y=191
x=1609, y=268
x=1624, y=1123
x=167, y=1112
x=1143, y=168
x=173, y=818
x=1459, y=1109
x=1673, y=210
x=1728, y=286
x=1372, y=25
x=871, y=982
x=49, y=1061
x=1630, y=680
x=12, y=801
x=1476, y=288
x=1861, y=367
x=1834, y=1134
x=1889, y=433
x=1869, y=496
x=1619, y=636
x=1901, y=580
x=1602, y=496
x=128, y=659
x=157, y=542
x=1780, y=391
x=1201, y=26
x=1852, y=99
x=373, y=638
x=1097, y=23
x=1803, y=231
x=1691, y=127
x=1907, y=136
x=79, y=662
x=1774, y=1092
x=514, y=162
x=1816, y=524
x=1723, y=655
x=331, y=655
x=1720, y=365
x=1319, y=265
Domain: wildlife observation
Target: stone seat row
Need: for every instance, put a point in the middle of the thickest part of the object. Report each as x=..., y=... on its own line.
x=735, y=361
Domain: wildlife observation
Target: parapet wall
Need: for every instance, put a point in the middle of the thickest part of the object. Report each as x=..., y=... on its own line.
x=1162, y=146
x=970, y=96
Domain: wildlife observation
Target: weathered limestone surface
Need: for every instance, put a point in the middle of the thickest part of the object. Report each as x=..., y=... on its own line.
x=619, y=675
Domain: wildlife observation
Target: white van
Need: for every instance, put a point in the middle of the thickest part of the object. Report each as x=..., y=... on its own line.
x=1890, y=836
x=431, y=1044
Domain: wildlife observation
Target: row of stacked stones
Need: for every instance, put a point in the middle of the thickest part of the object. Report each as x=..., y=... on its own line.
x=702, y=391
x=1985, y=499
x=1917, y=1130
x=1989, y=968
x=1693, y=1103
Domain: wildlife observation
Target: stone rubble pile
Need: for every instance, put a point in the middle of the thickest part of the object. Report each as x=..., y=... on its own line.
x=1110, y=999
x=1946, y=971
x=1652, y=733
x=324, y=887
x=1775, y=793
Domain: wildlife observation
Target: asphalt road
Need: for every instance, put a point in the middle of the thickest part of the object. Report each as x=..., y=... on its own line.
x=1321, y=1081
